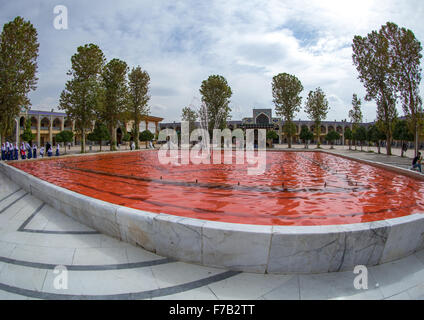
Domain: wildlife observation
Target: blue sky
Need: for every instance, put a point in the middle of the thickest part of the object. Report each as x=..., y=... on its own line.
x=181, y=43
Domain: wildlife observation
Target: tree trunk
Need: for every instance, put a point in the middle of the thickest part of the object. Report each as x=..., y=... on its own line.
x=136, y=135
x=100, y=145
x=416, y=138
x=401, y=148
x=318, y=131
x=289, y=140
x=112, y=138
x=388, y=147
x=82, y=141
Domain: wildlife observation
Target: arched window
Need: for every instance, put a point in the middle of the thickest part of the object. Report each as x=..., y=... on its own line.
x=262, y=119
x=45, y=124
x=33, y=123
x=57, y=124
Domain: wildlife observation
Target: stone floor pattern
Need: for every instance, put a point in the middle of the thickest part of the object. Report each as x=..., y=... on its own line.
x=35, y=239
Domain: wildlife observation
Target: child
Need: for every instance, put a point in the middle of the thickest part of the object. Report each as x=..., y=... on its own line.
x=34, y=151
x=42, y=152
x=16, y=152
x=29, y=150
x=23, y=152
x=3, y=152
x=57, y=150
x=50, y=152
x=8, y=151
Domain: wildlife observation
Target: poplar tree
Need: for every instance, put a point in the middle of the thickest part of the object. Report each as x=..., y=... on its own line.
x=317, y=108
x=285, y=91
x=18, y=67
x=138, y=91
x=405, y=53
x=80, y=98
x=114, y=100
x=355, y=115
x=216, y=94
x=190, y=116
x=374, y=64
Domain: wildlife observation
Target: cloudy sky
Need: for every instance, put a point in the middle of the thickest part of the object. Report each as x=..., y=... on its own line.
x=181, y=43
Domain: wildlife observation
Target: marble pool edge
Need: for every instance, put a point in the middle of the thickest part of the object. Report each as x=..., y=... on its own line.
x=240, y=247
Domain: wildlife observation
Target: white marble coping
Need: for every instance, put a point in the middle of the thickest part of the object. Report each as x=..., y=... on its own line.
x=243, y=247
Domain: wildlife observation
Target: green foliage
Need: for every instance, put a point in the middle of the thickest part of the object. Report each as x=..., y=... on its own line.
x=65, y=136
x=332, y=136
x=355, y=114
x=138, y=91
x=289, y=128
x=373, y=59
x=216, y=94
x=348, y=134
x=99, y=134
x=190, y=116
x=317, y=109
x=114, y=98
x=80, y=99
x=271, y=135
x=401, y=131
x=18, y=67
x=146, y=135
x=360, y=134
x=27, y=135
x=286, y=91
x=305, y=135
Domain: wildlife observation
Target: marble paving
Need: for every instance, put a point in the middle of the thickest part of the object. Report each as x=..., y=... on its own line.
x=37, y=243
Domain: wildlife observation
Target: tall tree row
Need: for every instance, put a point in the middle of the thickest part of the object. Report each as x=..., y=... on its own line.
x=388, y=63
x=104, y=92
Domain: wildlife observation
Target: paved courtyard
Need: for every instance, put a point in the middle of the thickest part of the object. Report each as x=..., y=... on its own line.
x=35, y=239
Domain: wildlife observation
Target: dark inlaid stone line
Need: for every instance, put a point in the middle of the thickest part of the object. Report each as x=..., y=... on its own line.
x=123, y=296
x=1, y=200
x=22, y=228
x=121, y=266
x=14, y=202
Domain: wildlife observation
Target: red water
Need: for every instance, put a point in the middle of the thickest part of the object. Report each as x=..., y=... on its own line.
x=298, y=188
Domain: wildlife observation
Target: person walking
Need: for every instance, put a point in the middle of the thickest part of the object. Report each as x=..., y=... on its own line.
x=50, y=151
x=16, y=152
x=34, y=151
x=57, y=150
x=3, y=151
x=23, y=151
x=42, y=152
x=29, y=150
x=8, y=151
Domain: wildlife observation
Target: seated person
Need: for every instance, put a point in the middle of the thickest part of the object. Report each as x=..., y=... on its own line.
x=416, y=162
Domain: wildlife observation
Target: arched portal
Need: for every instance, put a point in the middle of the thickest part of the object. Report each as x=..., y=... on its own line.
x=262, y=119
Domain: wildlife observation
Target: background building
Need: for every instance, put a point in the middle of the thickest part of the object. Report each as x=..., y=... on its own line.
x=263, y=119
x=46, y=125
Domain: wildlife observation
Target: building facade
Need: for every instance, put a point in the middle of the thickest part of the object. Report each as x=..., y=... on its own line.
x=263, y=119
x=46, y=125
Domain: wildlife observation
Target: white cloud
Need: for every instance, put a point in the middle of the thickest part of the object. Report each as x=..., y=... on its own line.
x=182, y=43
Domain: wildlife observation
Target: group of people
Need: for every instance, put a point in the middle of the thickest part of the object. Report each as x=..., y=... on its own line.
x=10, y=151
